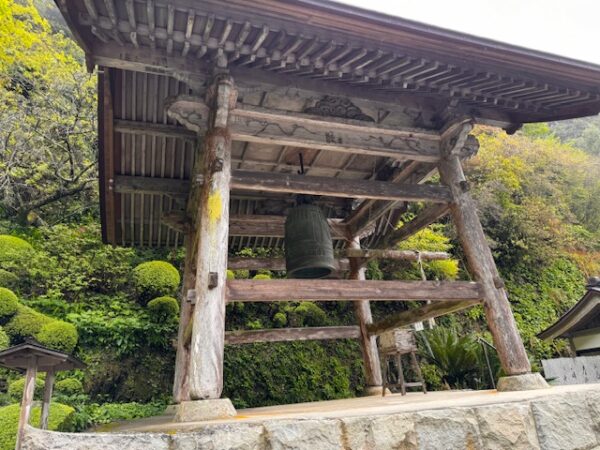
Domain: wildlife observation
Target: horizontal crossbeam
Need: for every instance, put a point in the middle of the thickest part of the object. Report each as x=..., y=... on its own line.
x=238, y=263
x=408, y=317
x=251, y=225
x=294, y=184
x=350, y=290
x=278, y=127
x=291, y=334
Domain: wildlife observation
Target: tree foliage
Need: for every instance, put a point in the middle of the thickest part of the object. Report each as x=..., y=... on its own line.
x=47, y=121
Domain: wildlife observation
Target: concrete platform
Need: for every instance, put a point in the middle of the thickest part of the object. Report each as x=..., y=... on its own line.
x=561, y=418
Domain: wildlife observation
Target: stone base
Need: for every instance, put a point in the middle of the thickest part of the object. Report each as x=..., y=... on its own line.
x=525, y=382
x=371, y=391
x=199, y=410
x=171, y=410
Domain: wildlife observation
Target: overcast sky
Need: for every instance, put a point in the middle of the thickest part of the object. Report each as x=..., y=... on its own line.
x=564, y=27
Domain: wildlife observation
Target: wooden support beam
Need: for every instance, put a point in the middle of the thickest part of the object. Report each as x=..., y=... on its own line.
x=250, y=225
x=181, y=380
x=27, y=400
x=208, y=329
x=292, y=184
x=337, y=187
x=350, y=290
x=411, y=316
x=501, y=322
x=423, y=219
x=362, y=311
x=154, y=129
x=343, y=263
x=271, y=126
x=106, y=158
x=126, y=184
x=47, y=398
x=291, y=334
x=403, y=255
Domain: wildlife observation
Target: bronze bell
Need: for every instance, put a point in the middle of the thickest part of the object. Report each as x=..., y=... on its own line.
x=308, y=245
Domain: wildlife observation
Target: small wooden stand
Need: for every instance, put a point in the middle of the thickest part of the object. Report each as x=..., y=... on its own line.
x=392, y=346
x=34, y=358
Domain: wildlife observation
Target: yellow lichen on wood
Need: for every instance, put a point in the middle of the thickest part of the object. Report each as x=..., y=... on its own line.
x=215, y=207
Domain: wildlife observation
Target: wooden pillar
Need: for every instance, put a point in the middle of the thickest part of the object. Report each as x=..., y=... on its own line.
x=479, y=257
x=48, y=387
x=28, y=392
x=362, y=310
x=208, y=329
x=181, y=388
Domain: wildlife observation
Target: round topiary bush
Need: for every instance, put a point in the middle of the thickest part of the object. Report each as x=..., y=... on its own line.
x=4, y=339
x=25, y=323
x=155, y=278
x=163, y=308
x=58, y=335
x=68, y=386
x=8, y=279
x=261, y=276
x=9, y=304
x=15, y=389
x=230, y=275
x=13, y=248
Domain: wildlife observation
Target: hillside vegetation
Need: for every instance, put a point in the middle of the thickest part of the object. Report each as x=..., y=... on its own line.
x=538, y=197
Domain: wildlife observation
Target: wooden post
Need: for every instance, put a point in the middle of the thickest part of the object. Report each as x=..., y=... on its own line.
x=208, y=330
x=362, y=309
x=48, y=386
x=181, y=388
x=28, y=392
x=479, y=257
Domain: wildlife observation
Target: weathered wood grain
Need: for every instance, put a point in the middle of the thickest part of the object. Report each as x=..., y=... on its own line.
x=291, y=334
x=337, y=187
x=181, y=387
x=48, y=387
x=27, y=400
x=294, y=184
x=481, y=263
x=264, y=126
x=425, y=218
x=411, y=316
x=208, y=331
x=362, y=311
x=350, y=290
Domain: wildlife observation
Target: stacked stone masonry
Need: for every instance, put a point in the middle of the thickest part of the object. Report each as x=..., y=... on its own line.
x=567, y=421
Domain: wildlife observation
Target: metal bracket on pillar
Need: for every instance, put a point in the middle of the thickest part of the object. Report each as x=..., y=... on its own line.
x=213, y=280
x=191, y=296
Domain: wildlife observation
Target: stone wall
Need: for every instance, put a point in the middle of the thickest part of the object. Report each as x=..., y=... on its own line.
x=567, y=421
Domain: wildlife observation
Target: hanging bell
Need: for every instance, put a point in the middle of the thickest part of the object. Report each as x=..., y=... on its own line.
x=308, y=245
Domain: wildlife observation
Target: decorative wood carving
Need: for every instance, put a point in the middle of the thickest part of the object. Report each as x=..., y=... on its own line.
x=330, y=106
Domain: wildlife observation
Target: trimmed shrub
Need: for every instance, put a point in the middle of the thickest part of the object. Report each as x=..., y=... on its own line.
x=59, y=335
x=25, y=323
x=9, y=303
x=307, y=314
x=59, y=420
x=4, y=339
x=154, y=279
x=261, y=276
x=279, y=320
x=8, y=279
x=163, y=308
x=13, y=249
x=230, y=275
x=15, y=389
x=68, y=386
